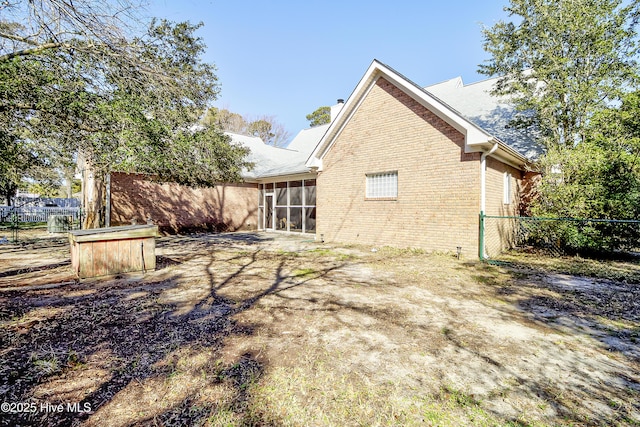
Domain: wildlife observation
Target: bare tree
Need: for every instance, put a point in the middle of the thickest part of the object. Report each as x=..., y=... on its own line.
x=270, y=130
x=226, y=120
x=265, y=127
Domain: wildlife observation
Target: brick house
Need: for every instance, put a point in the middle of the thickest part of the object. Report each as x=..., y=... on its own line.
x=398, y=165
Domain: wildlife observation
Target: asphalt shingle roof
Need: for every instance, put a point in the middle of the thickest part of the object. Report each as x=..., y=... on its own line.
x=273, y=161
x=493, y=114
x=473, y=102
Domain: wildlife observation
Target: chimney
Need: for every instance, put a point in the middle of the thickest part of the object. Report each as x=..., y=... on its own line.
x=335, y=109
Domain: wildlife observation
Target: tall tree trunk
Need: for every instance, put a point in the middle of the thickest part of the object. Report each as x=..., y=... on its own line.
x=68, y=178
x=93, y=194
x=9, y=192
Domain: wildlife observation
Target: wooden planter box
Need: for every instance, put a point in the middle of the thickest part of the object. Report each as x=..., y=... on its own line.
x=113, y=250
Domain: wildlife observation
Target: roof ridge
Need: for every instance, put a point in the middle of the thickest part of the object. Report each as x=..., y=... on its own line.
x=459, y=78
x=483, y=80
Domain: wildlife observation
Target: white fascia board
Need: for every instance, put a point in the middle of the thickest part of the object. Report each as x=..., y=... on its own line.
x=475, y=137
x=363, y=87
x=314, y=163
x=290, y=177
x=511, y=157
x=473, y=134
x=504, y=153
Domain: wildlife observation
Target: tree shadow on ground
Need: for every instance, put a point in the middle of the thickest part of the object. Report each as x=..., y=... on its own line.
x=109, y=342
x=43, y=267
x=164, y=351
x=605, y=311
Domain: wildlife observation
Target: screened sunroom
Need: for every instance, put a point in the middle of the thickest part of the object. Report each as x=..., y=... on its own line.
x=288, y=206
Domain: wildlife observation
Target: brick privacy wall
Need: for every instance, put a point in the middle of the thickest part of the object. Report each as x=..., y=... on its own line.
x=438, y=184
x=528, y=195
x=177, y=208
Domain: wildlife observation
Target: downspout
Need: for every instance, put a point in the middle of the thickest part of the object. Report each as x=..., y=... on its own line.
x=483, y=195
x=483, y=176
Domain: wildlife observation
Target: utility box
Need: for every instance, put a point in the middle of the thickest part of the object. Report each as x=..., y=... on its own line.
x=113, y=250
x=58, y=223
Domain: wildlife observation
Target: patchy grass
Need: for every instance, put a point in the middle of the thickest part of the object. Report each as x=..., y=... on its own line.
x=627, y=270
x=603, y=293
x=303, y=272
x=271, y=331
x=24, y=225
x=317, y=395
x=338, y=254
x=46, y=367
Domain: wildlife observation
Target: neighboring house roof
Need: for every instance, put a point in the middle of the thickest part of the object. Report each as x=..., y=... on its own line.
x=478, y=138
x=493, y=114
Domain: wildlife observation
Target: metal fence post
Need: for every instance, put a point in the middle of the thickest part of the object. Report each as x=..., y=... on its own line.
x=481, y=237
x=15, y=223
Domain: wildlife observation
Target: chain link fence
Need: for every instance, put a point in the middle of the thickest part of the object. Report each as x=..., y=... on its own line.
x=30, y=223
x=557, y=236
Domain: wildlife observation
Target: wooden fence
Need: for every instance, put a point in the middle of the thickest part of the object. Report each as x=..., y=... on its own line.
x=35, y=214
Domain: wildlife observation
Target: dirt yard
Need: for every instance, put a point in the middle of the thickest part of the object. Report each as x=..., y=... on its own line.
x=257, y=329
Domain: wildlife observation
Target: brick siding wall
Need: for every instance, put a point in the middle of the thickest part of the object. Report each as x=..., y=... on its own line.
x=177, y=208
x=499, y=233
x=495, y=184
x=438, y=184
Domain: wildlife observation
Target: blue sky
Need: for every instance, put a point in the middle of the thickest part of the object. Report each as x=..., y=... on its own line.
x=286, y=58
